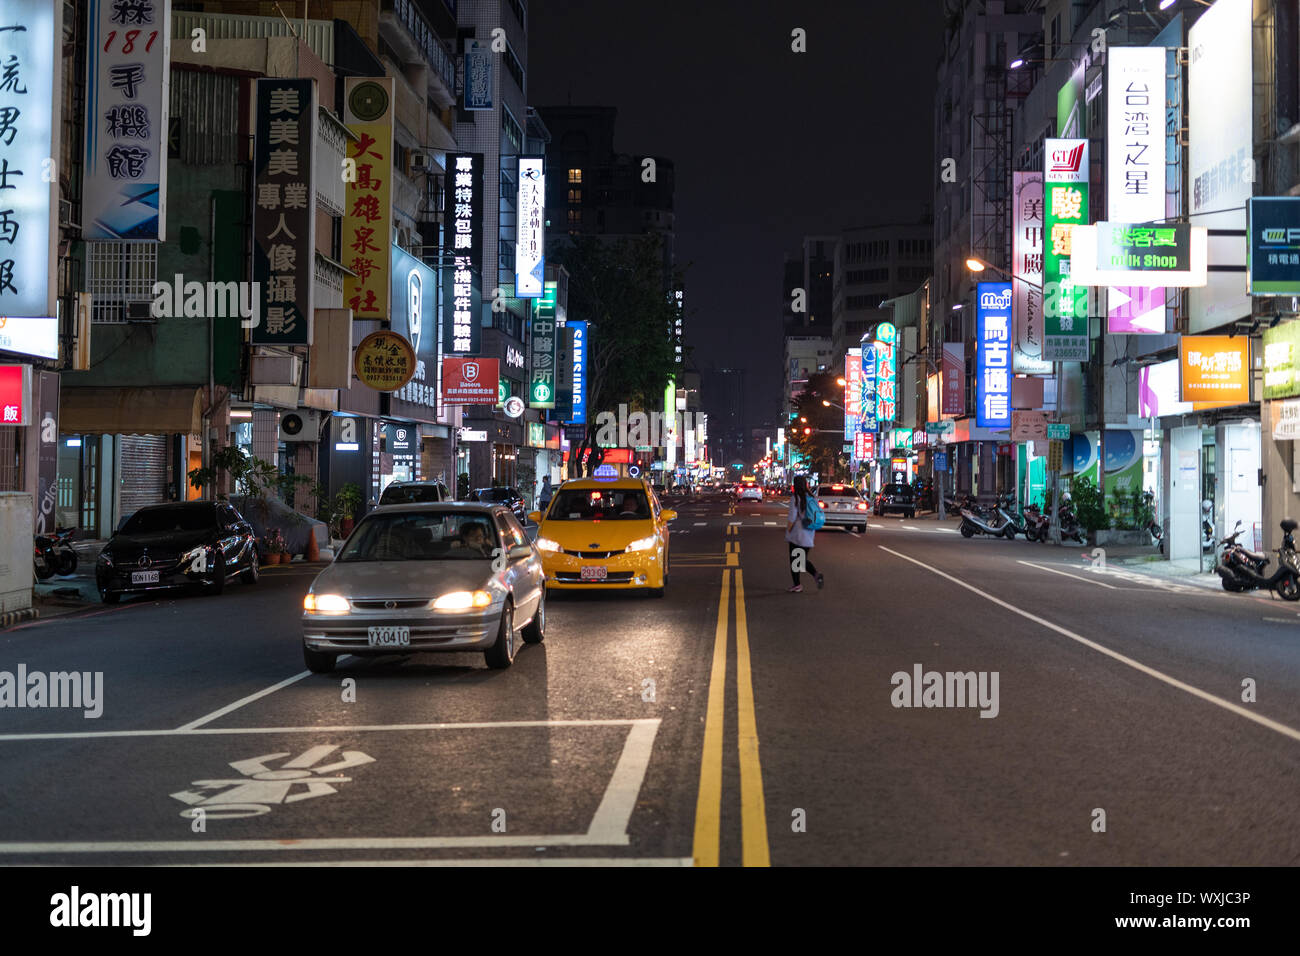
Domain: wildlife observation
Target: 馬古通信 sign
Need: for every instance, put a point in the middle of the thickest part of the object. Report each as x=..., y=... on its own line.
x=993, y=355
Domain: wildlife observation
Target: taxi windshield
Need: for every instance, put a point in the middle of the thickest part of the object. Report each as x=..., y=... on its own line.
x=599, y=504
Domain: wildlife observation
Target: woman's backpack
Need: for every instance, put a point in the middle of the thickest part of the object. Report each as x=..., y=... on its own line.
x=813, y=515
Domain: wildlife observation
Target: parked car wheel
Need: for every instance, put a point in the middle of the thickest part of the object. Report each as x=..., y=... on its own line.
x=534, y=631
x=318, y=662
x=108, y=597
x=218, y=582
x=501, y=654
x=250, y=576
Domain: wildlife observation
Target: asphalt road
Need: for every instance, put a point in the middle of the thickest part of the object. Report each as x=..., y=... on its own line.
x=730, y=722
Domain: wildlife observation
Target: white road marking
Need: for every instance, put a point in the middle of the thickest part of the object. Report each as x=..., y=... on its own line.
x=910, y=527
x=1227, y=705
x=700, y=524
x=607, y=828
x=1067, y=574
x=1282, y=620
x=771, y=524
x=502, y=861
x=360, y=728
x=735, y=524
x=245, y=700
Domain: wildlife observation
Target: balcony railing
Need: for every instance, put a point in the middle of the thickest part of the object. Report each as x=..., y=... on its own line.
x=409, y=15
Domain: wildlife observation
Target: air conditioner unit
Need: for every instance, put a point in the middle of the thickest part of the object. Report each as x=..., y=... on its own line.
x=274, y=369
x=418, y=161
x=300, y=426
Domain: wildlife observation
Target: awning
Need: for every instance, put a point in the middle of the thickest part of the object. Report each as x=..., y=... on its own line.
x=130, y=411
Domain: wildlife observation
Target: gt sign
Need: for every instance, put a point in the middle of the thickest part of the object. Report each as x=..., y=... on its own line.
x=469, y=381
x=993, y=355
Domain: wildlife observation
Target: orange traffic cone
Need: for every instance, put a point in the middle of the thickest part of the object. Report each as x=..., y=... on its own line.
x=313, y=549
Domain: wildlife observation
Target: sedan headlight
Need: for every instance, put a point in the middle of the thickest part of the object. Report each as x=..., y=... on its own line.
x=546, y=544
x=462, y=600
x=643, y=544
x=326, y=603
x=105, y=559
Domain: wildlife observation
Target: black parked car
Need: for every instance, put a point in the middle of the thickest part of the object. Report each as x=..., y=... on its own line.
x=416, y=493
x=896, y=498
x=186, y=544
x=506, y=496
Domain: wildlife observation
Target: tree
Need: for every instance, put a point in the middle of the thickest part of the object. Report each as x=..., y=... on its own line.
x=820, y=439
x=619, y=289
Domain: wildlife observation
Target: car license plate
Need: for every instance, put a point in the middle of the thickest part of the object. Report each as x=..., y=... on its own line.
x=390, y=636
x=144, y=577
x=595, y=574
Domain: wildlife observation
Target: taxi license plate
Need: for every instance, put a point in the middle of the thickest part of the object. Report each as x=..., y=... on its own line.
x=390, y=636
x=144, y=577
x=595, y=574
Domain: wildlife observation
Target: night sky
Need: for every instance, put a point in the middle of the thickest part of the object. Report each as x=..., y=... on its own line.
x=769, y=145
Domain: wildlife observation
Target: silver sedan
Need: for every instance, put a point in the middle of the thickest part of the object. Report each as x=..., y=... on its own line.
x=452, y=576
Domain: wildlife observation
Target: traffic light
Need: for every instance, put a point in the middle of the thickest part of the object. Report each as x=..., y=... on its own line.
x=807, y=431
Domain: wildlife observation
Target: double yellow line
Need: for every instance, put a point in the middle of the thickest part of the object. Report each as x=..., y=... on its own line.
x=708, y=807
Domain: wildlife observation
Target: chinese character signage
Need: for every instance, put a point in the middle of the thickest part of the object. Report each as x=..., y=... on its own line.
x=677, y=326
x=886, y=373
x=414, y=317
x=993, y=355
x=463, y=242
x=124, y=186
x=852, y=426
x=384, y=361
x=1215, y=368
x=541, y=351
x=1135, y=168
x=15, y=394
x=867, y=389
x=470, y=381
x=478, y=77
x=284, y=211
x=1027, y=276
x=1282, y=361
x=368, y=210
x=853, y=382
x=31, y=36
x=1172, y=255
x=530, y=228
x=1065, y=187
x=954, y=378
x=1273, y=246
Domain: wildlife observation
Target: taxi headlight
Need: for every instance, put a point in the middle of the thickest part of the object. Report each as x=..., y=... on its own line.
x=462, y=600
x=325, y=603
x=546, y=544
x=643, y=544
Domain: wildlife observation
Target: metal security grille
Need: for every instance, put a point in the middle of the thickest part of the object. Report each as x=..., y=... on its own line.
x=205, y=117
x=11, y=455
x=144, y=471
x=119, y=273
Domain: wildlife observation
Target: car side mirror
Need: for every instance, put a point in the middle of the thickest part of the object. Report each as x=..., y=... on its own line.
x=535, y=517
x=520, y=551
x=669, y=514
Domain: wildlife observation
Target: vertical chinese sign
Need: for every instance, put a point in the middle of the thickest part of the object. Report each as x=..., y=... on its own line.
x=993, y=355
x=1135, y=171
x=852, y=394
x=530, y=228
x=886, y=374
x=541, y=364
x=954, y=379
x=368, y=209
x=284, y=211
x=124, y=187
x=1065, y=184
x=31, y=36
x=463, y=240
x=1027, y=276
x=678, y=316
x=867, y=390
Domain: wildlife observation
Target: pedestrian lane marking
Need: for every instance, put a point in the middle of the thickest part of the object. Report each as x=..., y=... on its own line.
x=771, y=524
x=700, y=524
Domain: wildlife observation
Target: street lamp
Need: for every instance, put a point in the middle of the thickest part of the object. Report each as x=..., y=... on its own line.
x=979, y=265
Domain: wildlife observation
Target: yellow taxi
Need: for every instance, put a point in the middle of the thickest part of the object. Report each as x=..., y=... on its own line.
x=604, y=533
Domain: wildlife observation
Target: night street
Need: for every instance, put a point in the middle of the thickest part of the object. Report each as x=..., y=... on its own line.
x=1128, y=704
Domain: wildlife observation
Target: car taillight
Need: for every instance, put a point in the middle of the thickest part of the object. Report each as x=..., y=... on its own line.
x=862, y=507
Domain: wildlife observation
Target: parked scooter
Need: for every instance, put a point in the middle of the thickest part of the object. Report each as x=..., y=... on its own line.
x=1036, y=523
x=54, y=554
x=1243, y=570
x=1008, y=510
x=993, y=523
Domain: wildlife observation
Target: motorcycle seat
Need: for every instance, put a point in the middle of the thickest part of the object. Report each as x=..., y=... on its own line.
x=1257, y=556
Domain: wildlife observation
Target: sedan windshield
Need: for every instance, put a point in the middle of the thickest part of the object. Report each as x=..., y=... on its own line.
x=196, y=517
x=422, y=536
x=411, y=494
x=599, y=505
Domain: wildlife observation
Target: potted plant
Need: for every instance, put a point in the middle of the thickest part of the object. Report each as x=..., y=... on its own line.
x=275, y=547
x=346, y=505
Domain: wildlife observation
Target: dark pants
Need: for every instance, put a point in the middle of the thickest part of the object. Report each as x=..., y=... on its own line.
x=808, y=565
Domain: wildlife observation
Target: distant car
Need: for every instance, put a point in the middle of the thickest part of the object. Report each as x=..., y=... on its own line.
x=414, y=492
x=505, y=496
x=452, y=576
x=898, y=498
x=184, y=544
x=750, y=491
x=844, y=506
